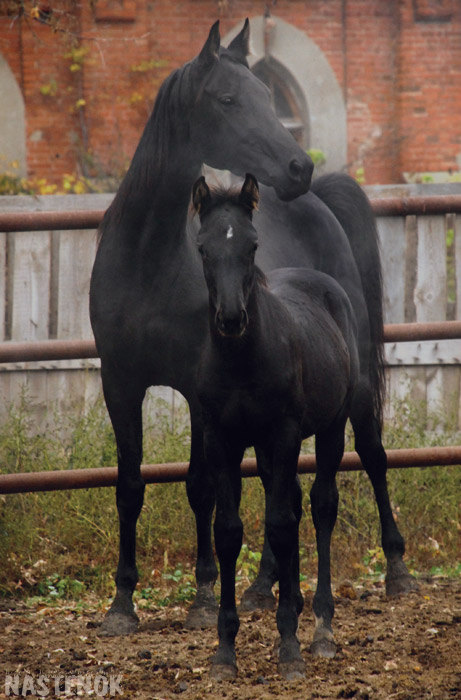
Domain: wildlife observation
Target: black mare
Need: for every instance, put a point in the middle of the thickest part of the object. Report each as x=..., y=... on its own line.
x=148, y=299
x=280, y=364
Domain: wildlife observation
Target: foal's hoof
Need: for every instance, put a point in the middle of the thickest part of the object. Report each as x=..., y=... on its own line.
x=203, y=612
x=223, y=672
x=323, y=648
x=292, y=670
x=253, y=600
x=399, y=581
x=118, y=624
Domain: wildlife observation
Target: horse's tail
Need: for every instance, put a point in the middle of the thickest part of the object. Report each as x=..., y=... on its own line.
x=349, y=203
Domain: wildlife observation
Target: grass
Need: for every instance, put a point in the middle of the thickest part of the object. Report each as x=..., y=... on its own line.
x=61, y=545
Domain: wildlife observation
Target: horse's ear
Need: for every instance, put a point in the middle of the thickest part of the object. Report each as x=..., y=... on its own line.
x=249, y=194
x=240, y=45
x=201, y=197
x=210, y=50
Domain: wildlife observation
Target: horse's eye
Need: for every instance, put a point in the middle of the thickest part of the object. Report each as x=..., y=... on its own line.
x=226, y=100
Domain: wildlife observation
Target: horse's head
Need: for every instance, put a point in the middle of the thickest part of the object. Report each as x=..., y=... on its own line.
x=227, y=242
x=233, y=124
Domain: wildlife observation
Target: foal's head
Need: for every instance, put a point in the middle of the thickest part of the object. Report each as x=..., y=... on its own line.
x=227, y=242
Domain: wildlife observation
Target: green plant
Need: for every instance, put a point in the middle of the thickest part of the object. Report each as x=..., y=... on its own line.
x=248, y=563
x=54, y=587
x=318, y=157
x=360, y=175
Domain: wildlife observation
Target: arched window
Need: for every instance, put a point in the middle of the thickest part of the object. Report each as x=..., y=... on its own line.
x=287, y=101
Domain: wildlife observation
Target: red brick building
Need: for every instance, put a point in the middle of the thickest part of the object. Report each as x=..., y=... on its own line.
x=374, y=84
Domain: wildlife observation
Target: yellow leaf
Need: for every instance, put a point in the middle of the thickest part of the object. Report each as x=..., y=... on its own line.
x=79, y=187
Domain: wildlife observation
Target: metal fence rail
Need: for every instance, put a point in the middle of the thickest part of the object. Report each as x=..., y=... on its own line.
x=68, y=220
x=29, y=351
x=176, y=471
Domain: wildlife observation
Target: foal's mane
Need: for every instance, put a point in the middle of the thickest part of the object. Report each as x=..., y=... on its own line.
x=221, y=195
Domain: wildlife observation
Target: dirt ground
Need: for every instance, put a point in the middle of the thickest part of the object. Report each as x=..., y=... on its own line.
x=403, y=649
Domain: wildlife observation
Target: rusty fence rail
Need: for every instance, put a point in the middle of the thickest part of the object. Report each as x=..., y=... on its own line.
x=89, y=219
x=46, y=350
x=176, y=471
x=156, y=473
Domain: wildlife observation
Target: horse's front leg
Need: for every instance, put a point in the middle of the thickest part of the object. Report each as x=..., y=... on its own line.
x=224, y=461
x=329, y=449
x=201, y=494
x=125, y=410
x=282, y=523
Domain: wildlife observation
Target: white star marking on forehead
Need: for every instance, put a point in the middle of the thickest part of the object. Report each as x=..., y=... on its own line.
x=230, y=232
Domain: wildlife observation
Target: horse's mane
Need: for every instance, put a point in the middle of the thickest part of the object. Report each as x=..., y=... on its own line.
x=154, y=151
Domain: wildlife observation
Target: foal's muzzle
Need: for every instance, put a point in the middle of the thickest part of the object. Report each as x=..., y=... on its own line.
x=231, y=325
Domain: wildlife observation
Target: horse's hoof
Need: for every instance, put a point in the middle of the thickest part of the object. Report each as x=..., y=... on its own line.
x=201, y=617
x=223, y=672
x=401, y=586
x=253, y=600
x=399, y=581
x=292, y=670
x=203, y=612
x=323, y=648
x=117, y=624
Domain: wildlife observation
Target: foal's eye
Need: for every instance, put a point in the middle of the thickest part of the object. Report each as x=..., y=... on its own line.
x=226, y=100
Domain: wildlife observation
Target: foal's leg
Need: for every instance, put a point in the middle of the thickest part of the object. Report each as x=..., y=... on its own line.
x=125, y=410
x=371, y=451
x=224, y=462
x=201, y=494
x=329, y=449
x=282, y=523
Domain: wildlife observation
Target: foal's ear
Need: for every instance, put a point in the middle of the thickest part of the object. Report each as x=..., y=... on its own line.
x=201, y=197
x=240, y=45
x=210, y=50
x=249, y=194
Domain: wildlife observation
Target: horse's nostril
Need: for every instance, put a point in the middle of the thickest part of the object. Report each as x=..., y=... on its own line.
x=296, y=168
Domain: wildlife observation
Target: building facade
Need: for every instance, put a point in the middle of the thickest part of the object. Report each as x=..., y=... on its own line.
x=375, y=85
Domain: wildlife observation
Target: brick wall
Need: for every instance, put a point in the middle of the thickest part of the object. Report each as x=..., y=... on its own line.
x=397, y=61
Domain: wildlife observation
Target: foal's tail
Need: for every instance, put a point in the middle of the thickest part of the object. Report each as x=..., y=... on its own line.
x=346, y=199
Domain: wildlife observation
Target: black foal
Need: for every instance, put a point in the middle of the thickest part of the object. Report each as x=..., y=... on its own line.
x=279, y=364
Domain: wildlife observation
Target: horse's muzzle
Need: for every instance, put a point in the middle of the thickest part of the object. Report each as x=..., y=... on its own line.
x=300, y=176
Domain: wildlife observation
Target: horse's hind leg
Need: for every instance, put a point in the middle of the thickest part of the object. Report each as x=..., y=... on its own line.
x=369, y=446
x=259, y=595
x=201, y=494
x=329, y=449
x=125, y=410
